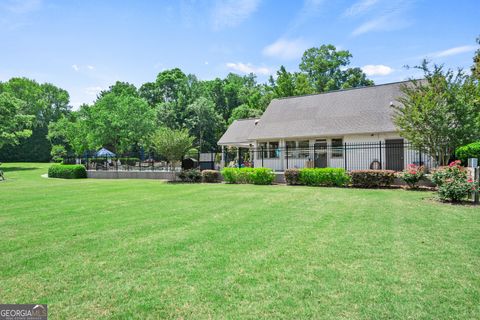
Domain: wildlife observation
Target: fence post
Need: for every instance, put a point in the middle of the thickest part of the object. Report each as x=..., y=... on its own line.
x=380, y=148
x=314, y=154
x=262, y=154
x=286, y=154
x=345, y=156
x=476, y=178
x=419, y=157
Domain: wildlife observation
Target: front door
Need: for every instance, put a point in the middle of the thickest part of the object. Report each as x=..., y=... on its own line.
x=394, y=154
x=320, y=148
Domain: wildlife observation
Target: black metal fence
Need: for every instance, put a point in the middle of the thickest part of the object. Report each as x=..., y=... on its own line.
x=350, y=156
x=141, y=161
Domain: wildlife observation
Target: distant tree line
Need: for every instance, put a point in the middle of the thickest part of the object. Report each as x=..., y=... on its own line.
x=125, y=118
x=38, y=123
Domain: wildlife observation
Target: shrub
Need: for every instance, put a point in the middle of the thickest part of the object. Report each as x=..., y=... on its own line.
x=453, y=182
x=210, y=176
x=471, y=150
x=262, y=176
x=372, y=178
x=455, y=190
x=412, y=175
x=190, y=176
x=67, y=171
x=331, y=177
x=229, y=175
x=248, y=175
x=292, y=176
x=131, y=161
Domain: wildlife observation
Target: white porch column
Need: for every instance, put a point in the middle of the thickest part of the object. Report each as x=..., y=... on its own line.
x=255, y=154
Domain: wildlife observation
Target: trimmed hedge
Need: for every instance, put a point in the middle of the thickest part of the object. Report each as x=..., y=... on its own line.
x=292, y=177
x=190, y=176
x=210, y=176
x=471, y=150
x=261, y=176
x=328, y=177
x=372, y=178
x=67, y=171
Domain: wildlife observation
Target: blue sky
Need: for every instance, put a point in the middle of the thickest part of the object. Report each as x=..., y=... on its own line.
x=84, y=46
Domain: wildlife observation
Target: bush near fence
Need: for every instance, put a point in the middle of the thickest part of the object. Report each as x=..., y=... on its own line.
x=210, y=176
x=471, y=150
x=372, y=178
x=67, y=171
x=292, y=177
x=327, y=177
x=261, y=176
x=190, y=176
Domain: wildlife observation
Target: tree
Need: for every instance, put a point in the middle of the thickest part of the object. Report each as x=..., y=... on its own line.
x=244, y=111
x=119, y=122
x=71, y=132
x=46, y=103
x=13, y=124
x=324, y=68
x=171, y=144
x=476, y=63
x=440, y=113
x=204, y=123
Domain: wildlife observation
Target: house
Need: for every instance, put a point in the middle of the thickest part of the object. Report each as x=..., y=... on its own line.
x=351, y=129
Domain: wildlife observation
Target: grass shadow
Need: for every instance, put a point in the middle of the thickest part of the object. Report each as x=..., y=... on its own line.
x=12, y=169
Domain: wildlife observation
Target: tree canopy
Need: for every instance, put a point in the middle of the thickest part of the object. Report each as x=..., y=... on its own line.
x=14, y=125
x=440, y=113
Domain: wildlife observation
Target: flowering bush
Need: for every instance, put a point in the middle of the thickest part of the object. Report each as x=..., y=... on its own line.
x=453, y=182
x=412, y=175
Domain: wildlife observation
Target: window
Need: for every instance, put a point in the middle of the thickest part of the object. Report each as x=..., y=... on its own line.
x=304, y=149
x=337, y=148
x=273, y=150
x=291, y=147
x=262, y=146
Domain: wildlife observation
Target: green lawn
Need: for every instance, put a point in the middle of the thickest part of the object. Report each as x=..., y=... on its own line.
x=144, y=249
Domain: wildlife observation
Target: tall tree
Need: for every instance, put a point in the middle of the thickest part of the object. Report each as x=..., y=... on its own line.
x=325, y=68
x=440, y=113
x=204, y=123
x=476, y=62
x=14, y=125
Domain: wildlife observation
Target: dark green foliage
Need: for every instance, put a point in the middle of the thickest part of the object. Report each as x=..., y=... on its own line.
x=36, y=148
x=190, y=176
x=67, y=171
x=292, y=176
x=372, y=178
x=329, y=177
x=471, y=150
x=210, y=176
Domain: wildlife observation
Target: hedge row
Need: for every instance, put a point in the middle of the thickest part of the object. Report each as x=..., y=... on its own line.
x=195, y=176
x=67, y=171
x=261, y=176
x=335, y=177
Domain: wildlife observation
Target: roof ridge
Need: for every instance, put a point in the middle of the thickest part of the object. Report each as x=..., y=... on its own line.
x=347, y=89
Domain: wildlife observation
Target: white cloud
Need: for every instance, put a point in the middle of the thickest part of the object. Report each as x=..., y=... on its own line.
x=360, y=7
x=75, y=67
x=229, y=13
x=248, y=68
x=390, y=15
x=377, y=70
x=90, y=67
x=286, y=49
x=453, y=51
x=93, y=91
x=22, y=6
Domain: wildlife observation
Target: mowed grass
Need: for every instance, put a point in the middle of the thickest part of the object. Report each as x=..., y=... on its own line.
x=143, y=249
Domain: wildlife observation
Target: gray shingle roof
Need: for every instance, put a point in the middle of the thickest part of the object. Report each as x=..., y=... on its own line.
x=238, y=132
x=351, y=111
